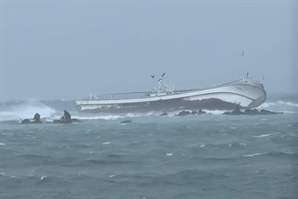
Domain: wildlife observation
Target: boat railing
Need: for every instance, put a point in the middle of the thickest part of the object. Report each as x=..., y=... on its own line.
x=138, y=95
x=232, y=82
x=248, y=80
x=116, y=96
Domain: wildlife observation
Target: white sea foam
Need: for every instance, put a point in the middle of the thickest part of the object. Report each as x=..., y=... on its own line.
x=27, y=110
x=102, y=117
x=266, y=105
x=264, y=135
x=281, y=106
x=255, y=154
x=288, y=103
x=215, y=112
x=260, y=136
x=106, y=143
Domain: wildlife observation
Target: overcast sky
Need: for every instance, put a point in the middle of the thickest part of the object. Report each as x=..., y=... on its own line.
x=65, y=50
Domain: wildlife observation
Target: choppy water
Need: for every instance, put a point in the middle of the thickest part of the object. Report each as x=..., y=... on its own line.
x=205, y=156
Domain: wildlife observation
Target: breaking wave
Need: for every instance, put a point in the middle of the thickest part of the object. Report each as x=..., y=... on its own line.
x=16, y=110
x=215, y=112
x=26, y=110
x=106, y=117
x=281, y=106
x=279, y=103
x=288, y=103
x=19, y=110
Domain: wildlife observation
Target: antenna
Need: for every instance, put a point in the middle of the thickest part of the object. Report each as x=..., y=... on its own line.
x=162, y=86
x=174, y=83
x=161, y=77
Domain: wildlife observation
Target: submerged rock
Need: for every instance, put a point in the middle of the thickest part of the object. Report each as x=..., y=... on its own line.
x=184, y=113
x=163, y=114
x=28, y=121
x=66, y=122
x=200, y=112
x=234, y=113
x=265, y=112
x=252, y=112
x=126, y=121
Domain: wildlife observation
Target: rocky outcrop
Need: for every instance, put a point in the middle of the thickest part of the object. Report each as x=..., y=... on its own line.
x=184, y=113
x=252, y=112
x=164, y=114
x=126, y=121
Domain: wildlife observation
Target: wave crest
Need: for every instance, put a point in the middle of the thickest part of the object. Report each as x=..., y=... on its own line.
x=26, y=110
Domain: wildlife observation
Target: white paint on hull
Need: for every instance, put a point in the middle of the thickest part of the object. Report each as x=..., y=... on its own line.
x=243, y=94
x=246, y=94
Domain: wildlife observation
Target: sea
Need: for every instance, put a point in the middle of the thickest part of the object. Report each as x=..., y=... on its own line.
x=212, y=156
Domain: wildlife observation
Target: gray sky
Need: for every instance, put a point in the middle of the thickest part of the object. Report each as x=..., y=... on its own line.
x=65, y=50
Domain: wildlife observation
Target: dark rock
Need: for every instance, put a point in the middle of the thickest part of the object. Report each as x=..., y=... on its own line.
x=25, y=121
x=200, y=112
x=28, y=121
x=66, y=122
x=183, y=113
x=252, y=112
x=265, y=112
x=163, y=114
x=126, y=121
x=236, y=111
x=195, y=113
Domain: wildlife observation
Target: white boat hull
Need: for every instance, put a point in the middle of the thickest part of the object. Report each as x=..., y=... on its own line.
x=226, y=97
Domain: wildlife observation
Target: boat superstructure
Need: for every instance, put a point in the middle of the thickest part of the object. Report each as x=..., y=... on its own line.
x=243, y=92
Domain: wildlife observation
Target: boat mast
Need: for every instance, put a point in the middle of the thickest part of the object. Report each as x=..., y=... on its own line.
x=162, y=86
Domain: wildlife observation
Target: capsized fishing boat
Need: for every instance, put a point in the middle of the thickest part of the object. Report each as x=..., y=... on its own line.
x=243, y=92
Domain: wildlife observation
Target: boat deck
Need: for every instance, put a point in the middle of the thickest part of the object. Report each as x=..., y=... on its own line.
x=149, y=94
x=133, y=95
